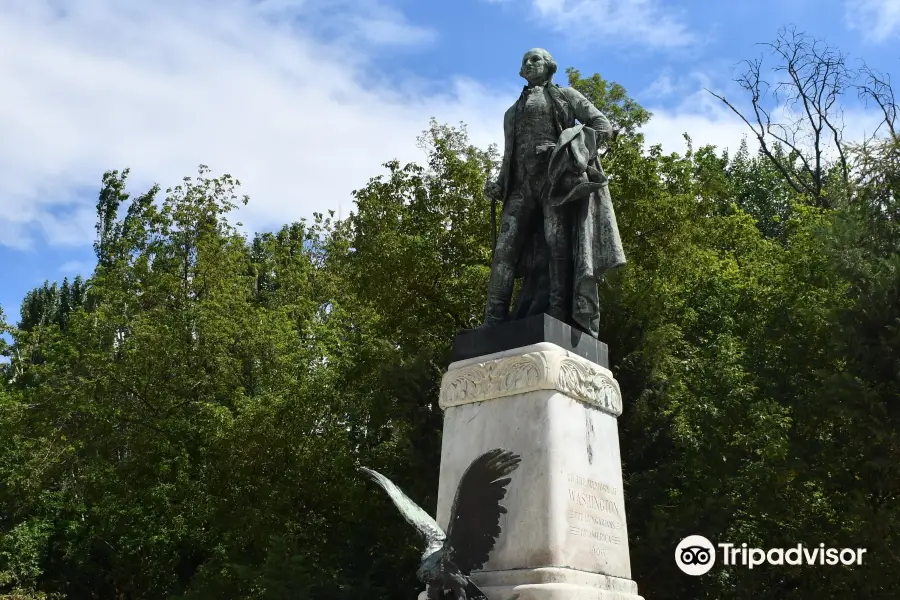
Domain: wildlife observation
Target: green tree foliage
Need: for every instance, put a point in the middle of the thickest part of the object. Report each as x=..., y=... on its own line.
x=188, y=422
x=626, y=115
x=51, y=304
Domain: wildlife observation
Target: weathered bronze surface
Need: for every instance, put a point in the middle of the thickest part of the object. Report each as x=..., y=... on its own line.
x=450, y=557
x=558, y=230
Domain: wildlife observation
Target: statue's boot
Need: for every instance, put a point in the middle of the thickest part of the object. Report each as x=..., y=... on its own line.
x=560, y=289
x=500, y=291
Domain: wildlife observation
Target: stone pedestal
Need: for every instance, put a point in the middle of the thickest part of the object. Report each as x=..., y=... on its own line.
x=564, y=535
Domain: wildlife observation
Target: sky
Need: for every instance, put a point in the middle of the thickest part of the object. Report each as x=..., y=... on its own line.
x=304, y=100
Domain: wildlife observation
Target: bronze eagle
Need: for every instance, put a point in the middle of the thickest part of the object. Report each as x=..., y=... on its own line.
x=451, y=556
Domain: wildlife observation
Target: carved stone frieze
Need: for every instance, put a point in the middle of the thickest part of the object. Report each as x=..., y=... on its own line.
x=556, y=370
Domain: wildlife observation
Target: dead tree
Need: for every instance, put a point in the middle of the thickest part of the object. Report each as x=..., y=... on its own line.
x=878, y=156
x=876, y=161
x=805, y=141
x=875, y=88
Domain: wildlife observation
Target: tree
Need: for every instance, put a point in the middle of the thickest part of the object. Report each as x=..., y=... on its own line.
x=802, y=134
x=187, y=423
x=626, y=115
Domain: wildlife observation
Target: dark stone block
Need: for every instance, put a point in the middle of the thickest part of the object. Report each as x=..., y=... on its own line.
x=472, y=343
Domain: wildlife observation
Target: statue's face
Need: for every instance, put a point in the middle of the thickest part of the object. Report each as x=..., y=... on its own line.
x=535, y=67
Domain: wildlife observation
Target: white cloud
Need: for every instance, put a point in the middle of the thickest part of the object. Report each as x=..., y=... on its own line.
x=661, y=87
x=680, y=104
x=72, y=268
x=879, y=20
x=390, y=29
x=703, y=117
x=644, y=22
x=239, y=85
x=709, y=122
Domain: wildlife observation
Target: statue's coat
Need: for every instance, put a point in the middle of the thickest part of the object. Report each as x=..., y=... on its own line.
x=596, y=244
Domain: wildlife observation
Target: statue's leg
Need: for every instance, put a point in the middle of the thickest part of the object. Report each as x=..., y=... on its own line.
x=434, y=592
x=515, y=225
x=558, y=233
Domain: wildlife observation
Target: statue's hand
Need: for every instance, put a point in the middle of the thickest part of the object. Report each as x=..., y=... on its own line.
x=492, y=189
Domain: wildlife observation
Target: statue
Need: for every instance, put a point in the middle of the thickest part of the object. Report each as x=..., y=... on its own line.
x=450, y=557
x=558, y=230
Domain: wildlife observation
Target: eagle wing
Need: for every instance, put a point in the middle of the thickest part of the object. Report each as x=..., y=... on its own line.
x=412, y=512
x=475, y=517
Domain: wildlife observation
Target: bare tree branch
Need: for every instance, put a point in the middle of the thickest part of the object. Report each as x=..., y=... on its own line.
x=761, y=137
x=810, y=79
x=876, y=87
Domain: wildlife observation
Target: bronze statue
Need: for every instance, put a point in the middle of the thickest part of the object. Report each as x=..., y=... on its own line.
x=558, y=229
x=450, y=557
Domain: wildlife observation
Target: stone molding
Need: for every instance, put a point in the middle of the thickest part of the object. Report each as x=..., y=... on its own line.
x=530, y=369
x=553, y=583
x=549, y=575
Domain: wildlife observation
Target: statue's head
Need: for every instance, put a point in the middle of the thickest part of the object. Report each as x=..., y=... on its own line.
x=538, y=67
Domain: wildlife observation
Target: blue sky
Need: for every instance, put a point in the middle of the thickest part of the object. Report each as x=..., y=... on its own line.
x=304, y=99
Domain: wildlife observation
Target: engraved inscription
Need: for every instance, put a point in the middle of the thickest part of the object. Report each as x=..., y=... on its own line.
x=591, y=484
x=591, y=501
x=595, y=535
x=592, y=515
x=580, y=517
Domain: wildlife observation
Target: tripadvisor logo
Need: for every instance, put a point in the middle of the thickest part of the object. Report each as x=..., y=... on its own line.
x=696, y=555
